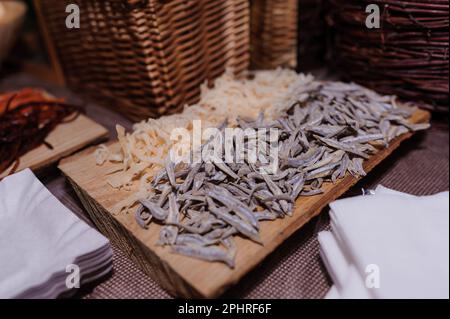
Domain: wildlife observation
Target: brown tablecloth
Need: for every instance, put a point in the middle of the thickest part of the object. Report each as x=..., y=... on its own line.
x=420, y=166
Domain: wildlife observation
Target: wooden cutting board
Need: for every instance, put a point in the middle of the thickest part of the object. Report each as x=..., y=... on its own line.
x=65, y=139
x=183, y=276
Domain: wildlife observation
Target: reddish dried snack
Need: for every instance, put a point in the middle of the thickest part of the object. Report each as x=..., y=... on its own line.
x=26, y=118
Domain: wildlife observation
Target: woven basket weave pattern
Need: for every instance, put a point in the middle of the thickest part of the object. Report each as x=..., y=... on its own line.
x=274, y=33
x=407, y=56
x=149, y=57
x=288, y=33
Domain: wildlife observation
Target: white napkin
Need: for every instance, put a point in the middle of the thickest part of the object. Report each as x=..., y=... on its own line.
x=399, y=240
x=40, y=237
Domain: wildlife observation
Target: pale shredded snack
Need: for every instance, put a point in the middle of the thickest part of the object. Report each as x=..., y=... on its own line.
x=148, y=146
x=102, y=154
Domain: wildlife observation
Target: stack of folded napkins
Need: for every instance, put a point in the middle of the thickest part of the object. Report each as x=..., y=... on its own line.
x=388, y=245
x=45, y=250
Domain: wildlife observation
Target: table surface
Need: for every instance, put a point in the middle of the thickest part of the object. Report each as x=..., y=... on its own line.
x=420, y=166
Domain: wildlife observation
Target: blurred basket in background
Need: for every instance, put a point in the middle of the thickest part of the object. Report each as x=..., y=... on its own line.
x=12, y=14
x=146, y=58
x=273, y=33
x=408, y=56
x=287, y=33
x=312, y=40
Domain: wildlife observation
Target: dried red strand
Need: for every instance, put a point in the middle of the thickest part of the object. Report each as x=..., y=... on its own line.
x=26, y=120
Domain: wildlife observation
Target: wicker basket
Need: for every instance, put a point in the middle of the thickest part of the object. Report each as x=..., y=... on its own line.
x=407, y=56
x=287, y=33
x=274, y=33
x=147, y=58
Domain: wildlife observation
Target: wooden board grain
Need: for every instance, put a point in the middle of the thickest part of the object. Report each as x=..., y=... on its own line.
x=65, y=139
x=183, y=276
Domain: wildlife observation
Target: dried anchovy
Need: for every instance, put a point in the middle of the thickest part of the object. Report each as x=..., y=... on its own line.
x=328, y=132
x=142, y=217
x=210, y=253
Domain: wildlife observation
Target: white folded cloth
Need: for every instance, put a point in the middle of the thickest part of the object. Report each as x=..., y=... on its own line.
x=40, y=238
x=388, y=245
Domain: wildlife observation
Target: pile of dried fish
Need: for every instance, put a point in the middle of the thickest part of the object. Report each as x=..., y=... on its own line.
x=328, y=132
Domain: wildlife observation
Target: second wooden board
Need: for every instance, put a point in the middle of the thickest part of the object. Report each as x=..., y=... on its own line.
x=65, y=139
x=180, y=275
